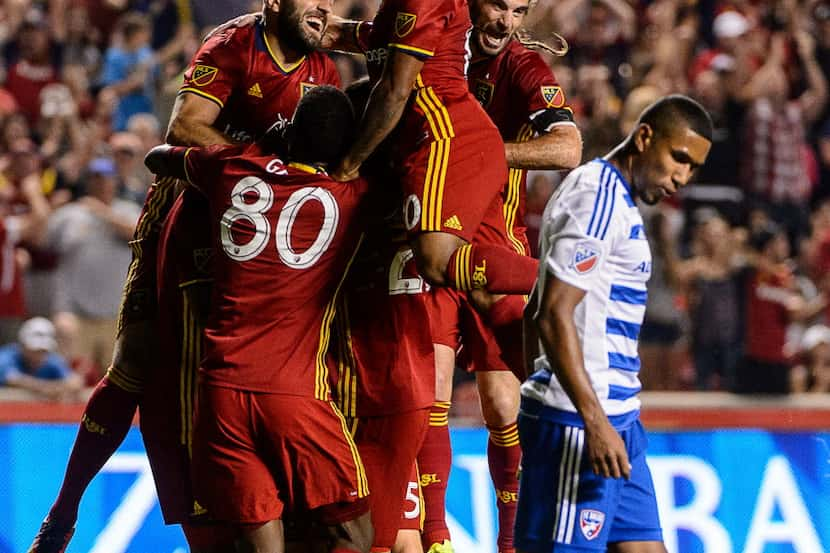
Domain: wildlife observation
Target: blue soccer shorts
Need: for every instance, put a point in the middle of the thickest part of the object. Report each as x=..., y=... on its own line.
x=565, y=507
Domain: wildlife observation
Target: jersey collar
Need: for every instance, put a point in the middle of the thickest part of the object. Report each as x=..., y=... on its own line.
x=307, y=168
x=616, y=172
x=283, y=68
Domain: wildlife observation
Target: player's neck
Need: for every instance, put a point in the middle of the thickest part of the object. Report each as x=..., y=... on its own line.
x=622, y=158
x=285, y=55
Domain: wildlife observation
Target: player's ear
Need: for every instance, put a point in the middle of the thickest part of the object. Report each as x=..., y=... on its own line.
x=643, y=135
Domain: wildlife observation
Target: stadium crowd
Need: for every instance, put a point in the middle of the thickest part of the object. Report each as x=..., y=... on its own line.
x=738, y=293
x=342, y=338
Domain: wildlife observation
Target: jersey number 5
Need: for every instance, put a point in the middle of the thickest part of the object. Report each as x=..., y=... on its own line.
x=254, y=213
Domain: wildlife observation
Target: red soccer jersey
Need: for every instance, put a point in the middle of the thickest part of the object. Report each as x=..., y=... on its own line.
x=522, y=97
x=284, y=236
x=435, y=31
x=384, y=355
x=237, y=70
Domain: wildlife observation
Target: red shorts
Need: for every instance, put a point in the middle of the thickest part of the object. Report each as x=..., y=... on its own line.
x=452, y=178
x=388, y=446
x=256, y=454
x=138, y=300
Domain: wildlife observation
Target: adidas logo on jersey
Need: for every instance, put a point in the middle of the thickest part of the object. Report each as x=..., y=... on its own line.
x=453, y=223
x=255, y=91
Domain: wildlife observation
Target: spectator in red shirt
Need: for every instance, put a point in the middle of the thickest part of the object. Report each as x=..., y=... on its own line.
x=772, y=303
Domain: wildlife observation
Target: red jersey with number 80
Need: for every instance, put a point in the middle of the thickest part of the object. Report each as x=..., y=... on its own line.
x=284, y=236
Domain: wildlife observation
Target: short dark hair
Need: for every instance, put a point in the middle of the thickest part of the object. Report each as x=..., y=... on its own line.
x=322, y=126
x=664, y=114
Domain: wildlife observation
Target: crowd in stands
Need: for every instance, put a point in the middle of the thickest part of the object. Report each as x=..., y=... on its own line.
x=739, y=295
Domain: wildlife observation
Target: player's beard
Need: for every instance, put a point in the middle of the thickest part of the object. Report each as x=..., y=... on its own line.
x=291, y=31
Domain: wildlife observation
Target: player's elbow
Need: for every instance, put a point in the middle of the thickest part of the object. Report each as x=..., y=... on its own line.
x=571, y=153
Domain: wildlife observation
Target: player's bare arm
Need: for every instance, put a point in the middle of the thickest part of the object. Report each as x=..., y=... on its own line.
x=191, y=122
x=560, y=148
x=341, y=35
x=530, y=345
x=558, y=334
x=386, y=105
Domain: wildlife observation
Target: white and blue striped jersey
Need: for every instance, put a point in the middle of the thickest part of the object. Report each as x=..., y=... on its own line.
x=592, y=237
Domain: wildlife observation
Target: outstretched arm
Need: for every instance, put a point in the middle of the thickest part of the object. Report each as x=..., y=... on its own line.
x=383, y=111
x=561, y=148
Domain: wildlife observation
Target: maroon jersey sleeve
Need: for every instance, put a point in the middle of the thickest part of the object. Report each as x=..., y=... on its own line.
x=204, y=165
x=419, y=26
x=540, y=92
x=215, y=69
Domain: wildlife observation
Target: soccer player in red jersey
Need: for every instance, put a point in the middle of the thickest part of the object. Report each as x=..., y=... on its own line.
x=260, y=65
x=383, y=358
x=449, y=153
x=267, y=435
x=522, y=97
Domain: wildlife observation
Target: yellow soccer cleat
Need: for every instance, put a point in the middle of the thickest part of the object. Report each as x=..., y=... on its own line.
x=445, y=547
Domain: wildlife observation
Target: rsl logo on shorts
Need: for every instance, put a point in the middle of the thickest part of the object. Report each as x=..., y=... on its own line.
x=404, y=23
x=585, y=258
x=203, y=75
x=590, y=523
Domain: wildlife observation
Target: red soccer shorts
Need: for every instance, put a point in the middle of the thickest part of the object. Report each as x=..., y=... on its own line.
x=450, y=181
x=388, y=446
x=256, y=454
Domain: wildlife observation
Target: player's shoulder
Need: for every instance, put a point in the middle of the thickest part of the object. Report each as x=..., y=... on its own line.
x=230, y=41
x=595, y=186
x=519, y=56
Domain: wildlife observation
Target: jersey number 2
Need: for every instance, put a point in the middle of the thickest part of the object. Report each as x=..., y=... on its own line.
x=254, y=213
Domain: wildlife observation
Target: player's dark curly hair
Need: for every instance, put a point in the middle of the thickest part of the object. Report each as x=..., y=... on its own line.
x=665, y=114
x=322, y=128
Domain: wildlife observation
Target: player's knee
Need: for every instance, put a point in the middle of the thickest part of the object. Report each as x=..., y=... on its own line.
x=433, y=272
x=499, y=395
x=360, y=532
x=432, y=255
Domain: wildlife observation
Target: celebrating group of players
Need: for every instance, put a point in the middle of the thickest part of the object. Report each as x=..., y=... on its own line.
x=292, y=316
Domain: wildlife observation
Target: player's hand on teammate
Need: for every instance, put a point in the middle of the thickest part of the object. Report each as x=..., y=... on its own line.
x=606, y=451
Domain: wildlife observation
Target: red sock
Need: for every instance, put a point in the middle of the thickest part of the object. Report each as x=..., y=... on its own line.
x=498, y=269
x=104, y=424
x=503, y=455
x=344, y=550
x=507, y=311
x=434, y=462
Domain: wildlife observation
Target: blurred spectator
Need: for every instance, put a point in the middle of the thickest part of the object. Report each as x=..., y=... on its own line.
x=32, y=364
x=91, y=237
x=133, y=178
x=33, y=62
x=15, y=230
x=774, y=169
x=129, y=69
x=661, y=334
x=711, y=277
x=813, y=374
x=772, y=302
